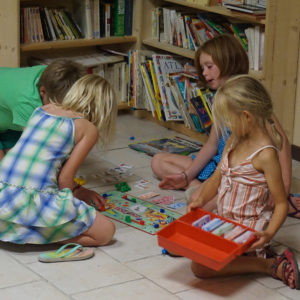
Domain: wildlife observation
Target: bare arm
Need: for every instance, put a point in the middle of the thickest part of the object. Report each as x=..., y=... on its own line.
x=86, y=136
x=285, y=155
x=268, y=163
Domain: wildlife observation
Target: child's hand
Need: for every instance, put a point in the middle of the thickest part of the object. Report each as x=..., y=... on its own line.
x=263, y=238
x=195, y=204
x=89, y=197
x=173, y=182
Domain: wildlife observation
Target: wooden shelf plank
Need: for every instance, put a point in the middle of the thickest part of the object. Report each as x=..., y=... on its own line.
x=123, y=106
x=170, y=48
x=77, y=43
x=221, y=10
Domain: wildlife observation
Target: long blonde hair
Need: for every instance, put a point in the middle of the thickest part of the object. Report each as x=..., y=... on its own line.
x=244, y=93
x=93, y=97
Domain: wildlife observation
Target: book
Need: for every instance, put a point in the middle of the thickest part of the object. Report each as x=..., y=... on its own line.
x=176, y=145
x=83, y=17
x=246, y=8
x=128, y=15
x=96, y=19
x=119, y=17
x=163, y=65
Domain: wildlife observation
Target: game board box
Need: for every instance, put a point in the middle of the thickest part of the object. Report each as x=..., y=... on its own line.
x=206, y=248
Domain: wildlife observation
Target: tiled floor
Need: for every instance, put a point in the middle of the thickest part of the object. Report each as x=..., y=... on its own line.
x=132, y=267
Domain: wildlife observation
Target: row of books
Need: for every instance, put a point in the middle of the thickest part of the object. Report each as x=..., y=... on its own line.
x=104, y=18
x=91, y=19
x=167, y=86
x=110, y=66
x=190, y=31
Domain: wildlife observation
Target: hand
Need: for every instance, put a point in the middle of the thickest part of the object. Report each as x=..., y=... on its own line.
x=263, y=237
x=89, y=197
x=173, y=182
x=198, y=202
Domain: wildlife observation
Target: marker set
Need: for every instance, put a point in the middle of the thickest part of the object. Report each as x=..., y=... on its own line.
x=220, y=227
x=206, y=238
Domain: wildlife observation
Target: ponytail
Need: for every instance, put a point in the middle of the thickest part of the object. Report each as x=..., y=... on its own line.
x=276, y=134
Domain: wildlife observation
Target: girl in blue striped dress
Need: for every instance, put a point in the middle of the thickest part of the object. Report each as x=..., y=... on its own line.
x=39, y=201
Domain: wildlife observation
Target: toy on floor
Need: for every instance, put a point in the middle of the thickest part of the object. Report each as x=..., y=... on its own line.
x=122, y=187
x=206, y=238
x=136, y=212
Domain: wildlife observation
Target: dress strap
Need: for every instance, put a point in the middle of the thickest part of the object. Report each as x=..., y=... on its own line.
x=259, y=150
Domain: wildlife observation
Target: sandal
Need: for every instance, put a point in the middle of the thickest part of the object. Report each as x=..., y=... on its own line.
x=63, y=254
x=289, y=266
x=297, y=211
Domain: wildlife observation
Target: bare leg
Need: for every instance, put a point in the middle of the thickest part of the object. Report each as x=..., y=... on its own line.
x=164, y=164
x=99, y=234
x=242, y=265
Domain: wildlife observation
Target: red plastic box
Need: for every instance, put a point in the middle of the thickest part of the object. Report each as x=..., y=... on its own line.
x=203, y=247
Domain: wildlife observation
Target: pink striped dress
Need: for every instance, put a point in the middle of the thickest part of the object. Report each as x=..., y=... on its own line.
x=243, y=193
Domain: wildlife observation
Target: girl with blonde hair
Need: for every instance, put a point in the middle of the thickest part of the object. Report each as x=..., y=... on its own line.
x=40, y=202
x=248, y=172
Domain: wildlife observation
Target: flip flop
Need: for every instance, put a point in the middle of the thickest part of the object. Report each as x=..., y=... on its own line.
x=289, y=265
x=77, y=252
x=294, y=213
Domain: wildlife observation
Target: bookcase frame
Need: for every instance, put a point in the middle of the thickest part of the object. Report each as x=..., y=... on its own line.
x=281, y=49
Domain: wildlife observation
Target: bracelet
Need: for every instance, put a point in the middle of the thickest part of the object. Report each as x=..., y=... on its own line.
x=76, y=187
x=186, y=178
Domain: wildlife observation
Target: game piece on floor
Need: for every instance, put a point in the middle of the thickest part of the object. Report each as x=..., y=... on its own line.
x=137, y=213
x=148, y=195
x=80, y=180
x=122, y=187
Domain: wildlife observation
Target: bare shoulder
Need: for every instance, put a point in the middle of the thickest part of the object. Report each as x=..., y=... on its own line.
x=84, y=129
x=267, y=158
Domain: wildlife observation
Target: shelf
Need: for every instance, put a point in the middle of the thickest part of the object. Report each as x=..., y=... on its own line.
x=170, y=48
x=77, y=43
x=123, y=106
x=221, y=10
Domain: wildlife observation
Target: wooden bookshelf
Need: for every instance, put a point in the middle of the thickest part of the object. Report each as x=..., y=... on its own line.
x=77, y=43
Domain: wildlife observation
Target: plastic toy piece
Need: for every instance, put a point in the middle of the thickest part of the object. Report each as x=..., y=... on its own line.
x=213, y=224
x=79, y=180
x=132, y=138
x=244, y=237
x=223, y=228
x=128, y=219
x=102, y=208
x=162, y=210
x=122, y=187
x=202, y=221
x=232, y=234
x=124, y=197
x=156, y=225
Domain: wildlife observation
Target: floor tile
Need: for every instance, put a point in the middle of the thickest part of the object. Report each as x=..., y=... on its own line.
x=75, y=277
x=12, y=273
x=139, y=290
x=173, y=274
x=289, y=236
x=132, y=244
x=33, y=291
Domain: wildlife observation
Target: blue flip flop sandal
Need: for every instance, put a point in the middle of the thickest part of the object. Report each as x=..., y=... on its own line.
x=77, y=252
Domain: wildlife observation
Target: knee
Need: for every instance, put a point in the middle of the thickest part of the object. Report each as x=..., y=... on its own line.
x=108, y=233
x=201, y=271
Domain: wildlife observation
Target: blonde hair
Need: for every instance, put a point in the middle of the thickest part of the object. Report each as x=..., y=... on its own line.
x=244, y=93
x=58, y=78
x=93, y=97
x=228, y=55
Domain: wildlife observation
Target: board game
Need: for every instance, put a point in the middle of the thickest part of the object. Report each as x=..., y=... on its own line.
x=136, y=212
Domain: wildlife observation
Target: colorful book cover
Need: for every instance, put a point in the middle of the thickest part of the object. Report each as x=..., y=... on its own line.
x=176, y=144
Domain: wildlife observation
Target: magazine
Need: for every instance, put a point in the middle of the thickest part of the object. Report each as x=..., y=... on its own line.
x=176, y=145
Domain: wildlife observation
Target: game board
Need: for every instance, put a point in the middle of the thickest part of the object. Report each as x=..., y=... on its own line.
x=137, y=213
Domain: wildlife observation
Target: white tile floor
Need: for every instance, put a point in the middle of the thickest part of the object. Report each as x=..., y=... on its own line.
x=132, y=267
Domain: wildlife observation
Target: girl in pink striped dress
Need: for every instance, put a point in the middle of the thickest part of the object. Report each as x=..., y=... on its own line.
x=248, y=172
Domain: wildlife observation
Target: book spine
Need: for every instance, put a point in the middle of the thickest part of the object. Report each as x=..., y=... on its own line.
x=69, y=24
x=128, y=16
x=119, y=17
x=107, y=19
x=55, y=25
x=39, y=24
x=96, y=18
x=50, y=24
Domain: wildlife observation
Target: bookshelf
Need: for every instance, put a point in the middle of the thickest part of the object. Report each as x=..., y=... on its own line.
x=281, y=49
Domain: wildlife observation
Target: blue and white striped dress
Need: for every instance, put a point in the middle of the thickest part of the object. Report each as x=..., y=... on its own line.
x=32, y=207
